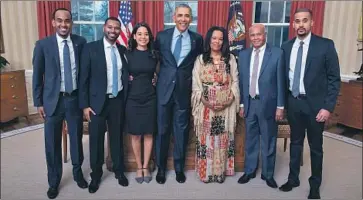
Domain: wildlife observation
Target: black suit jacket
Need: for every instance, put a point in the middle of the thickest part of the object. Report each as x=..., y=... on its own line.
x=46, y=71
x=322, y=73
x=93, y=75
x=172, y=77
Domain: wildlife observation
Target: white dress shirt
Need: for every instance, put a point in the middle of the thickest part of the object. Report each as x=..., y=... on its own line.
x=73, y=61
x=186, y=45
x=107, y=47
x=293, y=57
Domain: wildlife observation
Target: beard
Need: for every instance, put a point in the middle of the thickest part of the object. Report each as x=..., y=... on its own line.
x=302, y=33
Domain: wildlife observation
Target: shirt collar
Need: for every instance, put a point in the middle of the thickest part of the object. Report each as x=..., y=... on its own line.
x=60, y=39
x=107, y=44
x=306, y=40
x=177, y=33
x=261, y=48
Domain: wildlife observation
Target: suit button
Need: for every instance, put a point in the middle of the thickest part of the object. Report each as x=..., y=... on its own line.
x=173, y=81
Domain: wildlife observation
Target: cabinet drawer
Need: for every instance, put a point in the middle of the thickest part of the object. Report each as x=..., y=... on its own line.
x=11, y=109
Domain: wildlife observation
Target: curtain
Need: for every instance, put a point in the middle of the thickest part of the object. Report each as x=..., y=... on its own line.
x=45, y=10
x=212, y=13
x=151, y=12
x=317, y=7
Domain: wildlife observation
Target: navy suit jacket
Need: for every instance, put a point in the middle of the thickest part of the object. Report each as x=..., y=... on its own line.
x=171, y=77
x=93, y=75
x=47, y=73
x=322, y=73
x=271, y=81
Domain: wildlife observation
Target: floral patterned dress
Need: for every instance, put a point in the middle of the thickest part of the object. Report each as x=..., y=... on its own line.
x=217, y=83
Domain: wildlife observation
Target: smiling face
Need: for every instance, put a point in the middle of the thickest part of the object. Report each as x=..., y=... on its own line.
x=62, y=22
x=216, y=40
x=257, y=35
x=182, y=18
x=303, y=23
x=111, y=30
x=142, y=37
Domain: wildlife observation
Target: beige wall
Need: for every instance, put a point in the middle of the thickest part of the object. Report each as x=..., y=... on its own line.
x=341, y=20
x=20, y=29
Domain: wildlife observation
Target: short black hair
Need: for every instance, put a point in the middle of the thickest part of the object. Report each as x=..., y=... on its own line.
x=299, y=10
x=113, y=19
x=64, y=9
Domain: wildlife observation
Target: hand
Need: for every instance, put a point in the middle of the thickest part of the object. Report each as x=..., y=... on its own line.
x=218, y=108
x=279, y=114
x=86, y=113
x=131, y=78
x=154, y=80
x=207, y=104
x=322, y=116
x=41, y=112
x=241, y=112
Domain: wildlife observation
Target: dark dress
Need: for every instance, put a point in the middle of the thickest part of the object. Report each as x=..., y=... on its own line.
x=140, y=112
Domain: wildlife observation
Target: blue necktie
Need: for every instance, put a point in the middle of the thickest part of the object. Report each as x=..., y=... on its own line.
x=68, y=81
x=114, y=72
x=177, y=48
x=297, y=72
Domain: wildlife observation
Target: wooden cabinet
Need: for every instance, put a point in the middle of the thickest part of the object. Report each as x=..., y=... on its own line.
x=349, y=105
x=13, y=95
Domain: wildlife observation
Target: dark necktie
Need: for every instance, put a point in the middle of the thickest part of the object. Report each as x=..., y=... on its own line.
x=177, y=48
x=297, y=71
x=68, y=81
x=254, y=74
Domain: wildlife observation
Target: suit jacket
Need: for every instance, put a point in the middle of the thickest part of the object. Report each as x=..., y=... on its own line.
x=322, y=73
x=172, y=77
x=271, y=80
x=93, y=75
x=47, y=73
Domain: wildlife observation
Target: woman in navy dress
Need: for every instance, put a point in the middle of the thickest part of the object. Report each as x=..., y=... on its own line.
x=140, y=116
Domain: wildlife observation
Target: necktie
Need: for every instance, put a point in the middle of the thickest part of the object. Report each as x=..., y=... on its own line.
x=114, y=72
x=297, y=71
x=254, y=74
x=177, y=48
x=68, y=81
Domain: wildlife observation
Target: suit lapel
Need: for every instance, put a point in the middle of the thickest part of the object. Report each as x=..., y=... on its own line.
x=102, y=56
x=265, y=59
x=247, y=78
x=168, y=43
x=288, y=55
x=56, y=52
x=76, y=51
x=312, y=46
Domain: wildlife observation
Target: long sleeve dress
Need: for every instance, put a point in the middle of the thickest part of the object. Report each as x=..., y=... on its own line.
x=215, y=130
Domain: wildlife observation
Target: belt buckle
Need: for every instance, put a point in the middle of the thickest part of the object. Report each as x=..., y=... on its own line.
x=111, y=96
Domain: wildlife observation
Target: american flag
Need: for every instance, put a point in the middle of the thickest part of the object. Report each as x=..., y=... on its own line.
x=125, y=16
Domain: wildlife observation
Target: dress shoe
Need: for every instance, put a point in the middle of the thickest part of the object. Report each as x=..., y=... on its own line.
x=271, y=183
x=288, y=186
x=147, y=178
x=160, y=177
x=245, y=178
x=314, y=194
x=82, y=183
x=93, y=186
x=122, y=180
x=180, y=177
x=52, y=193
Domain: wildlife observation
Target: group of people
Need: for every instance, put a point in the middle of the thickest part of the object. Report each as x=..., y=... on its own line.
x=155, y=85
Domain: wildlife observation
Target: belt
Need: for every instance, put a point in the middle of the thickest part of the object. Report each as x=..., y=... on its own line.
x=66, y=94
x=300, y=96
x=256, y=97
x=111, y=96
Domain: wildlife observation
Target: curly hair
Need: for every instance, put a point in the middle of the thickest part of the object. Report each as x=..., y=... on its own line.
x=225, y=46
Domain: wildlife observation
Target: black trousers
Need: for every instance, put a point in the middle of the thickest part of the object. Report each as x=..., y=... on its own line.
x=112, y=115
x=68, y=109
x=301, y=118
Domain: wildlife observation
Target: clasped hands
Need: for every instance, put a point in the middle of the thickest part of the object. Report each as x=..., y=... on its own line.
x=218, y=107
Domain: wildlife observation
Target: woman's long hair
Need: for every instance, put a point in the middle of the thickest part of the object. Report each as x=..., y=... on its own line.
x=132, y=44
x=225, y=46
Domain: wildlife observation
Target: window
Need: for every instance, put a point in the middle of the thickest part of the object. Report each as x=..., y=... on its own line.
x=275, y=15
x=169, y=8
x=88, y=18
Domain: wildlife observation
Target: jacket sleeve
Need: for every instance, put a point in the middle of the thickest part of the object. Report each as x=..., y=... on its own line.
x=281, y=92
x=84, y=73
x=38, y=74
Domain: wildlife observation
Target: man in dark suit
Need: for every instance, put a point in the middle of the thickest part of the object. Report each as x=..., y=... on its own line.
x=103, y=90
x=179, y=48
x=313, y=81
x=262, y=86
x=55, y=83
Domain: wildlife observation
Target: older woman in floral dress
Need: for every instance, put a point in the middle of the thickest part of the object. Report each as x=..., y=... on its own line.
x=215, y=104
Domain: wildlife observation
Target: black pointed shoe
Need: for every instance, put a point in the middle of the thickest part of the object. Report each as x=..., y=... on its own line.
x=160, y=177
x=180, y=177
x=246, y=178
x=52, y=193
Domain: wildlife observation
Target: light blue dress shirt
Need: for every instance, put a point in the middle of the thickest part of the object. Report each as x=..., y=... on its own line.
x=186, y=45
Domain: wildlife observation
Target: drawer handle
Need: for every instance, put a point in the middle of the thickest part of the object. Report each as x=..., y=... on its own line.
x=14, y=97
x=15, y=108
x=12, y=77
x=12, y=86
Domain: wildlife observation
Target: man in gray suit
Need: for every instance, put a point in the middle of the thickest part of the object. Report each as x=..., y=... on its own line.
x=262, y=87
